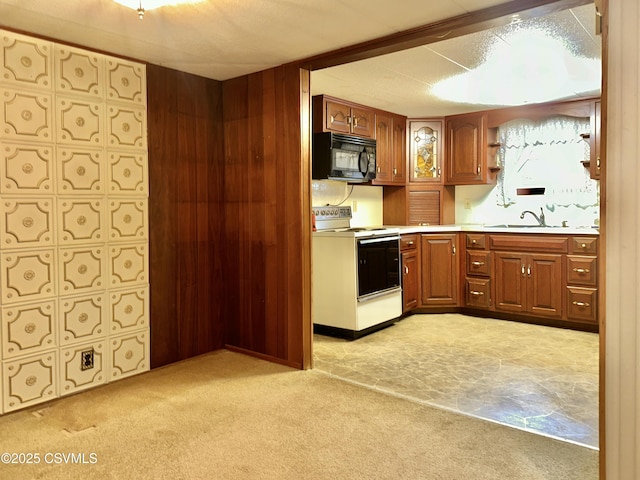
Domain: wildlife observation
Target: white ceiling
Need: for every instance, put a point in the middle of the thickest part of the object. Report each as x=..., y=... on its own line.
x=222, y=39
x=400, y=82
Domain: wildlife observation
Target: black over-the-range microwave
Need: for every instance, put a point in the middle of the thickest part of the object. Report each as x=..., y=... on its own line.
x=336, y=156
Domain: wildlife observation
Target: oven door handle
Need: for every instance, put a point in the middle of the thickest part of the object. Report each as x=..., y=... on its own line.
x=378, y=294
x=366, y=241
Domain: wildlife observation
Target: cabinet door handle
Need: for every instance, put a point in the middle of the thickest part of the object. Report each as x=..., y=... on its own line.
x=474, y=241
x=529, y=270
x=583, y=245
x=581, y=270
x=355, y=121
x=477, y=294
x=406, y=270
x=478, y=169
x=581, y=304
x=349, y=120
x=523, y=270
x=598, y=162
x=439, y=171
x=477, y=264
x=395, y=171
x=410, y=243
x=453, y=249
x=378, y=169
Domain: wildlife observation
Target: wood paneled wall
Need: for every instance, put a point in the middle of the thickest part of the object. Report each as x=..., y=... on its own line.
x=267, y=205
x=228, y=213
x=186, y=171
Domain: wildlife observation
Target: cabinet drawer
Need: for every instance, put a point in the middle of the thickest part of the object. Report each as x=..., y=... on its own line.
x=408, y=242
x=478, y=292
x=478, y=263
x=584, y=245
x=582, y=270
x=529, y=243
x=476, y=241
x=582, y=304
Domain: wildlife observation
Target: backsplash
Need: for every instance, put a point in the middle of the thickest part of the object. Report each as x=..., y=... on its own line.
x=364, y=200
x=476, y=204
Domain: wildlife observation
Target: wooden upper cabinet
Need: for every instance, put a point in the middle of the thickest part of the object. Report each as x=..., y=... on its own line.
x=391, y=155
x=466, y=140
x=425, y=142
x=384, y=148
x=399, y=149
x=595, y=141
x=334, y=115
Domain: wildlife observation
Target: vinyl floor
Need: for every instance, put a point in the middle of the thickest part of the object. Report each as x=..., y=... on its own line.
x=540, y=379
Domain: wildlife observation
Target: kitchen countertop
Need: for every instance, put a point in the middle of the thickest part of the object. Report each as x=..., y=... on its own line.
x=497, y=229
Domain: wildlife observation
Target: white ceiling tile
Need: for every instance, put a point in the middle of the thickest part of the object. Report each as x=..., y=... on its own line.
x=222, y=39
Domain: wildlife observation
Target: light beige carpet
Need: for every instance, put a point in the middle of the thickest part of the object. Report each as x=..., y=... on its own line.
x=228, y=416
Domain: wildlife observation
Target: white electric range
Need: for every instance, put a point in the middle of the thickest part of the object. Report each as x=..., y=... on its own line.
x=356, y=281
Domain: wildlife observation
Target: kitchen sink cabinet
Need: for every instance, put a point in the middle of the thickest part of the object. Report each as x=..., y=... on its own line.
x=335, y=115
x=529, y=283
x=439, y=269
x=410, y=252
x=466, y=151
x=391, y=155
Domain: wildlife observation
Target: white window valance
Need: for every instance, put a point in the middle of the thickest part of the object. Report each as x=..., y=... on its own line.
x=546, y=153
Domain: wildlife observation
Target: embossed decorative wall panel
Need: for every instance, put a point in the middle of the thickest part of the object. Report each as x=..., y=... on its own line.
x=80, y=220
x=28, y=329
x=80, y=171
x=128, y=173
x=74, y=264
x=78, y=72
x=129, y=354
x=26, y=169
x=82, y=318
x=129, y=310
x=27, y=275
x=83, y=366
x=26, y=222
x=25, y=61
x=26, y=116
x=30, y=380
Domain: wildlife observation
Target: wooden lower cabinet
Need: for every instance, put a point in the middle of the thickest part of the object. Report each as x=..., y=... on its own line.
x=552, y=277
x=410, y=280
x=529, y=283
x=439, y=269
x=477, y=292
x=410, y=253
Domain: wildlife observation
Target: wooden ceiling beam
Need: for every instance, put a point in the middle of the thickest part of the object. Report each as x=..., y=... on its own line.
x=467, y=23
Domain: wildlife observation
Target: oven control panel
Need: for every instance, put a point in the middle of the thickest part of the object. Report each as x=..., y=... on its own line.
x=331, y=212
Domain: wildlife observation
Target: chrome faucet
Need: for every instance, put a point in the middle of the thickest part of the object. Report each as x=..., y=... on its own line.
x=541, y=221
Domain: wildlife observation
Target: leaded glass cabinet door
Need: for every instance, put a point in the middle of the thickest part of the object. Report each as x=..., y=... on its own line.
x=425, y=151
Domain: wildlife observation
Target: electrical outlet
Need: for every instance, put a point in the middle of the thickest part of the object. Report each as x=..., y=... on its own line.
x=467, y=204
x=354, y=207
x=86, y=359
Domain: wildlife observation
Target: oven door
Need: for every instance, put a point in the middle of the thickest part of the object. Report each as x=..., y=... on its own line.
x=378, y=266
